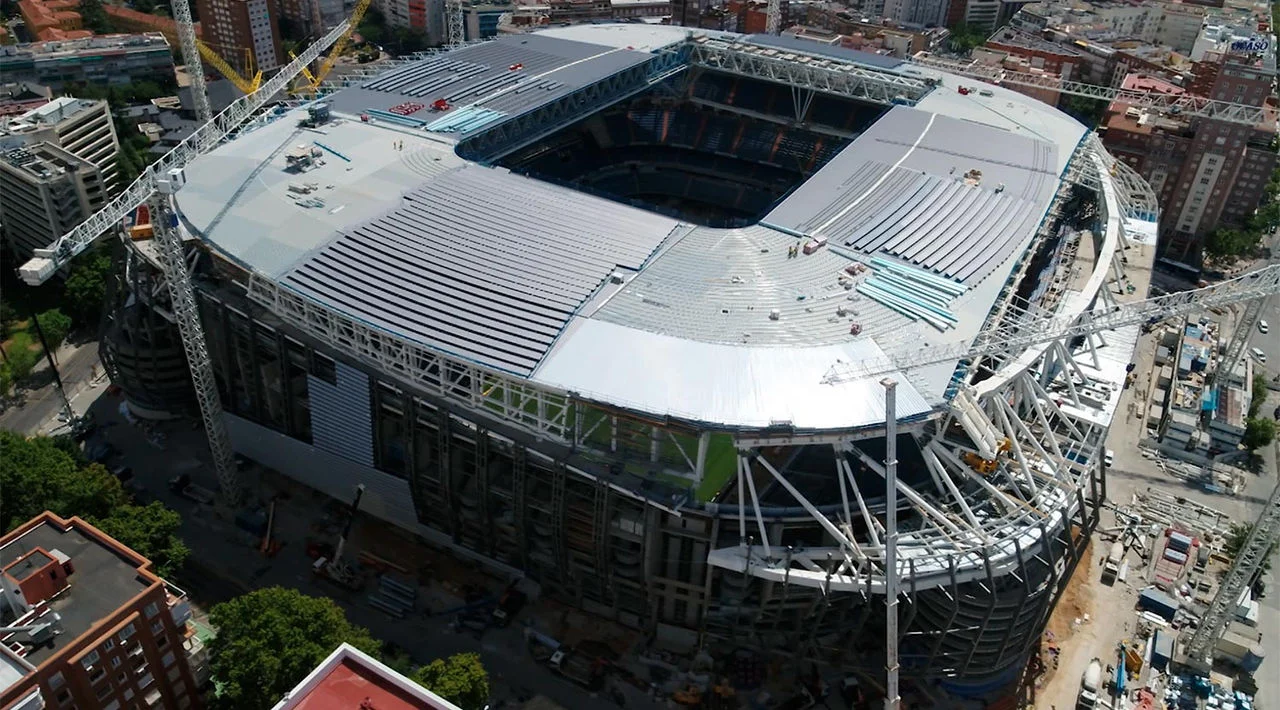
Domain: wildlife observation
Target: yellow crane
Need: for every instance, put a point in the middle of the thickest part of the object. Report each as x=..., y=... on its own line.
x=248, y=86
x=314, y=79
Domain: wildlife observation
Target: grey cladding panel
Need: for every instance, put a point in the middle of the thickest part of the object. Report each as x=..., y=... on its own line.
x=340, y=416
x=480, y=263
x=900, y=189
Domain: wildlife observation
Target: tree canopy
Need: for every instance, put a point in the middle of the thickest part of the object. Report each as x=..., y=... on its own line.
x=1258, y=394
x=1258, y=432
x=43, y=473
x=150, y=530
x=461, y=679
x=1226, y=243
x=55, y=325
x=85, y=289
x=40, y=474
x=270, y=639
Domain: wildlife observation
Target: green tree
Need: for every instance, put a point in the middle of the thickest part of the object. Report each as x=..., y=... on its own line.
x=55, y=325
x=21, y=361
x=86, y=287
x=270, y=639
x=964, y=37
x=39, y=474
x=151, y=531
x=95, y=17
x=1224, y=244
x=461, y=679
x=1258, y=394
x=6, y=378
x=8, y=316
x=1258, y=433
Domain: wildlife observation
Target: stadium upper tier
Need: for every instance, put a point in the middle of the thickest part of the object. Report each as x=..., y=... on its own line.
x=393, y=213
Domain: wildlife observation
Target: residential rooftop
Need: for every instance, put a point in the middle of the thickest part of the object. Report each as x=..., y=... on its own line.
x=350, y=678
x=103, y=580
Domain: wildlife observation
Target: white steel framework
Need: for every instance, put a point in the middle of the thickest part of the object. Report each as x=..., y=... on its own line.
x=177, y=278
x=191, y=56
x=47, y=261
x=1265, y=532
x=1239, y=340
x=773, y=21
x=1008, y=340
x=455, y=16
x=831, y=77
x=1176, y=103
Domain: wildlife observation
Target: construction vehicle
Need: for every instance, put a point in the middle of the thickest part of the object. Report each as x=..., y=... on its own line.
x=1111, y=567
x=315, y=79
x=183, y=486
x=336, y=569
x=211, y=55
x=1090, y=684
x=579, y=667
x=986, y=466
x=509, y=604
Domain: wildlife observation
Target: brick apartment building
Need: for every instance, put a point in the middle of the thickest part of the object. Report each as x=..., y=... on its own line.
x=103, y=631
x=1206, y=173
x=233, y=26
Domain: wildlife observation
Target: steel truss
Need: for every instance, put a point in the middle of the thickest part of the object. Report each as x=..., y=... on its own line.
x=543, y=411
x=1136, y=198
x=520, y=130
x=47, y=261
x=966, y=525
x=1175, y=103
x=821, y=74
x=170, y=254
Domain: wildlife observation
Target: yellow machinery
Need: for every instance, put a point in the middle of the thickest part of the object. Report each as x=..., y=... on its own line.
x=987, y=466
x=314, y=79
x=211, y=56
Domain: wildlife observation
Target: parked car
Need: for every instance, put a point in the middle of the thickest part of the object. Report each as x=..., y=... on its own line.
x=1263, y=327
x=1258, y=355
x=1109, y=457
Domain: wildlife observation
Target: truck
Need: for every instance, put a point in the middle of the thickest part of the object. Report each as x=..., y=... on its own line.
x=1090, y=682
x=578, y=667
x=1111, y=568
x=182, y=485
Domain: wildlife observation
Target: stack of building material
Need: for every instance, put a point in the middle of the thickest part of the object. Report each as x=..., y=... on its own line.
x=915, y=293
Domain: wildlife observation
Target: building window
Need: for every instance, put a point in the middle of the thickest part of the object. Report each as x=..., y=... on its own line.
x=89, y=659
x=157, y=628
x=126, y=632
x=56, y=680
x=152, y=609
x=115, y=662
x=168, y=659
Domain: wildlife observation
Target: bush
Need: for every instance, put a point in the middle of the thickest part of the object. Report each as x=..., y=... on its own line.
x=1259, y=433
x=55, y=325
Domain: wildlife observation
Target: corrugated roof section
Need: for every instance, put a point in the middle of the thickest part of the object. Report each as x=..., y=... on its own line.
x=946, y=195
x=509, y=76
x=481, y=263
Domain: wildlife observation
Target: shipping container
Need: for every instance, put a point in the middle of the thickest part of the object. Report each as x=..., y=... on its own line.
x=1179, y=542
x=1178, y=558
x=1161, y=649
x=1158, y=602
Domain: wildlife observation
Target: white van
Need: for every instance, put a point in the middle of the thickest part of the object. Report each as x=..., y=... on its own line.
x=1263, y=327
x=1258, y=355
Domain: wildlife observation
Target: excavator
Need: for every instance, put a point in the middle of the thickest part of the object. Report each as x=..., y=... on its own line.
x=987, y=466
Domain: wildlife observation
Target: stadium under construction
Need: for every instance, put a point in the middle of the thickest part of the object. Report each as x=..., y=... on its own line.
x=595, y=305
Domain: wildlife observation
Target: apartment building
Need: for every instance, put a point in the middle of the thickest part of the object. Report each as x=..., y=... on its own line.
x=108, y=59
x=580, y=10
x=231, y=27
x=101, y=630
x=481, y=17
x=1206, y=173
x=53, y=19
x=351, y=678
x=81, y=127
x=637, y=9
x=130, y=20
x=46, y=191
x=426, y=16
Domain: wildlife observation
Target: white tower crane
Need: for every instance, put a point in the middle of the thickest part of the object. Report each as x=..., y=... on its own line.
x=455, y=18
x=191, y=56
x=1248, y=561
x=773, y=21
x=155, y=187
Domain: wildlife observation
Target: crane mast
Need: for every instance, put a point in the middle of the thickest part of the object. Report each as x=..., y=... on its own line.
x=191, y=56
x=1252, y=554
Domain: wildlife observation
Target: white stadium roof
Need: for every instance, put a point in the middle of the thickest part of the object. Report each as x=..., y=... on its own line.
x=707, y=325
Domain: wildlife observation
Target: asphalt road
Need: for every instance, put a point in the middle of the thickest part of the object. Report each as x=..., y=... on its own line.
x=78, y=367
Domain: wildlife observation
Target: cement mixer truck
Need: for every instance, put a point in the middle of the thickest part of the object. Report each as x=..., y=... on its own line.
x=1090, y=682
